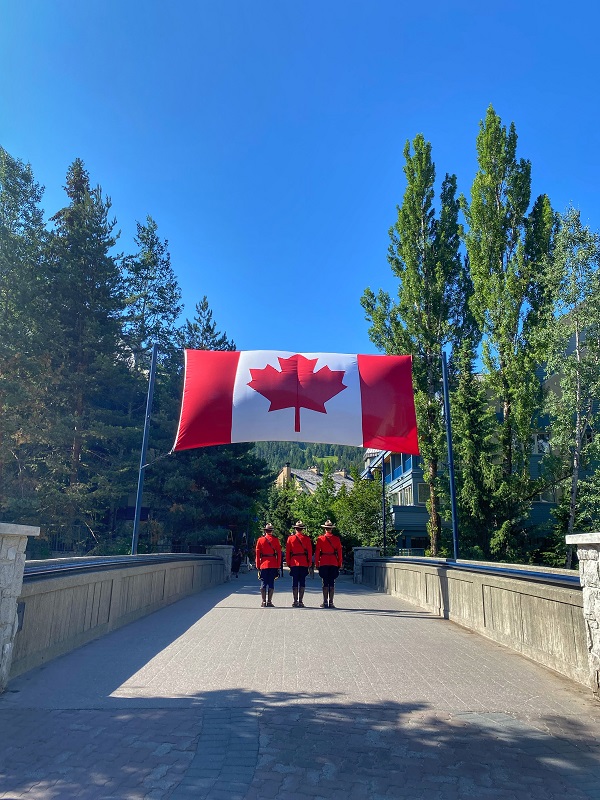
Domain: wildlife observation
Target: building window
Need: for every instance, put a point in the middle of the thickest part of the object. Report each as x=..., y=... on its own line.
x=405, y=496
x=541, y=444
x=422, y=493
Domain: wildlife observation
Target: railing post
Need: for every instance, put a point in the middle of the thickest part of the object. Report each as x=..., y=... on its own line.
x=360, y=554
x=588, y=553
x=13, y=541
x=225, y=551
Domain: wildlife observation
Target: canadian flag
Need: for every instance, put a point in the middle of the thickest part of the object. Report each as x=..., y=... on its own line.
x=268, y=395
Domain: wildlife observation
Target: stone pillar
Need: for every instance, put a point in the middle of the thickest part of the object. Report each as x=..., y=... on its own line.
x=360, y=554
x=588, y=553
x=13, y=540
x=225, y=551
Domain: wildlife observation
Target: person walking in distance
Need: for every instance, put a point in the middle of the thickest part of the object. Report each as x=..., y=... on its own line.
x=298, y=555
x=328, y=560
x=268, y=562
x=236, y=562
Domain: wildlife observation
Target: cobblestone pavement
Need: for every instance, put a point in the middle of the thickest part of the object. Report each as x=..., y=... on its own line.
x=214, y=698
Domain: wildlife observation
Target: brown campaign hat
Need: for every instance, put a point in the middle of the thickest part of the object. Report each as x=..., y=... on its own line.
x=299, y=524
x=268, y=527
x=328, y=524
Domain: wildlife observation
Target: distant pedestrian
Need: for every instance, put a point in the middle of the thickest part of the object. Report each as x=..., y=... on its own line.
x=328, y=560
x=298, y=555
x=268, y=563
x=236, y=563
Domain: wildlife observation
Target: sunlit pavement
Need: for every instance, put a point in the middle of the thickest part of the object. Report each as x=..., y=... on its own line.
x=215, y=698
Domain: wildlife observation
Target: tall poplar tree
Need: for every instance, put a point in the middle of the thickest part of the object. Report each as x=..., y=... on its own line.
x=475, y=451
x=571, y=341
x=429, y=311
x=508, y=246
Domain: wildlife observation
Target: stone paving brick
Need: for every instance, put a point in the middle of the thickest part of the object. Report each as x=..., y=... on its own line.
x=355, y=705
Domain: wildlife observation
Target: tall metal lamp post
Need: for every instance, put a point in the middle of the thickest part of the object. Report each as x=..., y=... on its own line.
x=143, y=465
x=370, y=477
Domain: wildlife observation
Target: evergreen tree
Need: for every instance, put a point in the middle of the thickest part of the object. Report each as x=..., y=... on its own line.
x=429, y=313
x=23, y=330
x=201, y=332
x=197, y=496
x=507, y=248
x=89, y=372
x=475, y=449
x=152, y=295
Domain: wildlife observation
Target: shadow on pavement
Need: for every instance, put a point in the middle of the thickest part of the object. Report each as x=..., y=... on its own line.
x=251, y=745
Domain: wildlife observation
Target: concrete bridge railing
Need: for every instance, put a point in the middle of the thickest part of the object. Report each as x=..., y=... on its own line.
x=50, y=607
x=534, y=616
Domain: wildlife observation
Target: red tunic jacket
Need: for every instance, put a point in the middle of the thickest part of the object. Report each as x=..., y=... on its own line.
x=329, y=551
x=268, y=552
x=298, y=550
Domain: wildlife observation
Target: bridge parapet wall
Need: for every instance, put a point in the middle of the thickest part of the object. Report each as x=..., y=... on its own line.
x=60, y=612
x=540, y=620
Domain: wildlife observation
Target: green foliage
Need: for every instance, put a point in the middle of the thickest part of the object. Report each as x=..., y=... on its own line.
x=475, y=447
x=572, y=354
x=508, y=248
x=77, y=325
x=431, y=309
x=201, y=333
x=315, y=508
x=23, y=332
x=359, y=512
x=152, y=296
x=281, y=510
x=302, y=455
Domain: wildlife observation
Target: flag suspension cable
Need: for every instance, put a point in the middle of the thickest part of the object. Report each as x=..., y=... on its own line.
x=143, y=465
x=450, y=455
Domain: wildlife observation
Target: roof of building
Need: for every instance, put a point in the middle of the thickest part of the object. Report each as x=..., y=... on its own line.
x=310, y=479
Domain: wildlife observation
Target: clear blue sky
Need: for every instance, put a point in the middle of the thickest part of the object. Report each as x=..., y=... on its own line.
x=265, y=136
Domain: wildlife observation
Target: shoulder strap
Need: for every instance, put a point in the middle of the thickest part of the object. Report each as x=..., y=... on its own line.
x=332, y=553
x=304, y=550
x=274, y=553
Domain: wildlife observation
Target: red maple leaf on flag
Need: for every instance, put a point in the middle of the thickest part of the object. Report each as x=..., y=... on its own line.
x=297, y=385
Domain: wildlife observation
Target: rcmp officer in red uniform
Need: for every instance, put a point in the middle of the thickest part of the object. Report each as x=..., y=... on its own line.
x=268, y=561
x=298, y=556
x=328, y=560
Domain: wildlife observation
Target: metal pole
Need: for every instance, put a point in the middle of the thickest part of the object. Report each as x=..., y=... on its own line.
x=140, y=489
x=383, y=502
x=450, y=456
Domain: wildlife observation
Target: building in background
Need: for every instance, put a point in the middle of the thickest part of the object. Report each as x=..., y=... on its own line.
x=307, y=480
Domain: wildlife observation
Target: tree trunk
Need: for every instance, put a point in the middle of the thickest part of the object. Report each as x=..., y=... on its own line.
x=435, y=526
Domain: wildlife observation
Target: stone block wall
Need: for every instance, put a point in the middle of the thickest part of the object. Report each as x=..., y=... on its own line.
x=13, y=540
x=588, y=552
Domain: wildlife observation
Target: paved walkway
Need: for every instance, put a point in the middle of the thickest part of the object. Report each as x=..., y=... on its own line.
x=214, y=698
